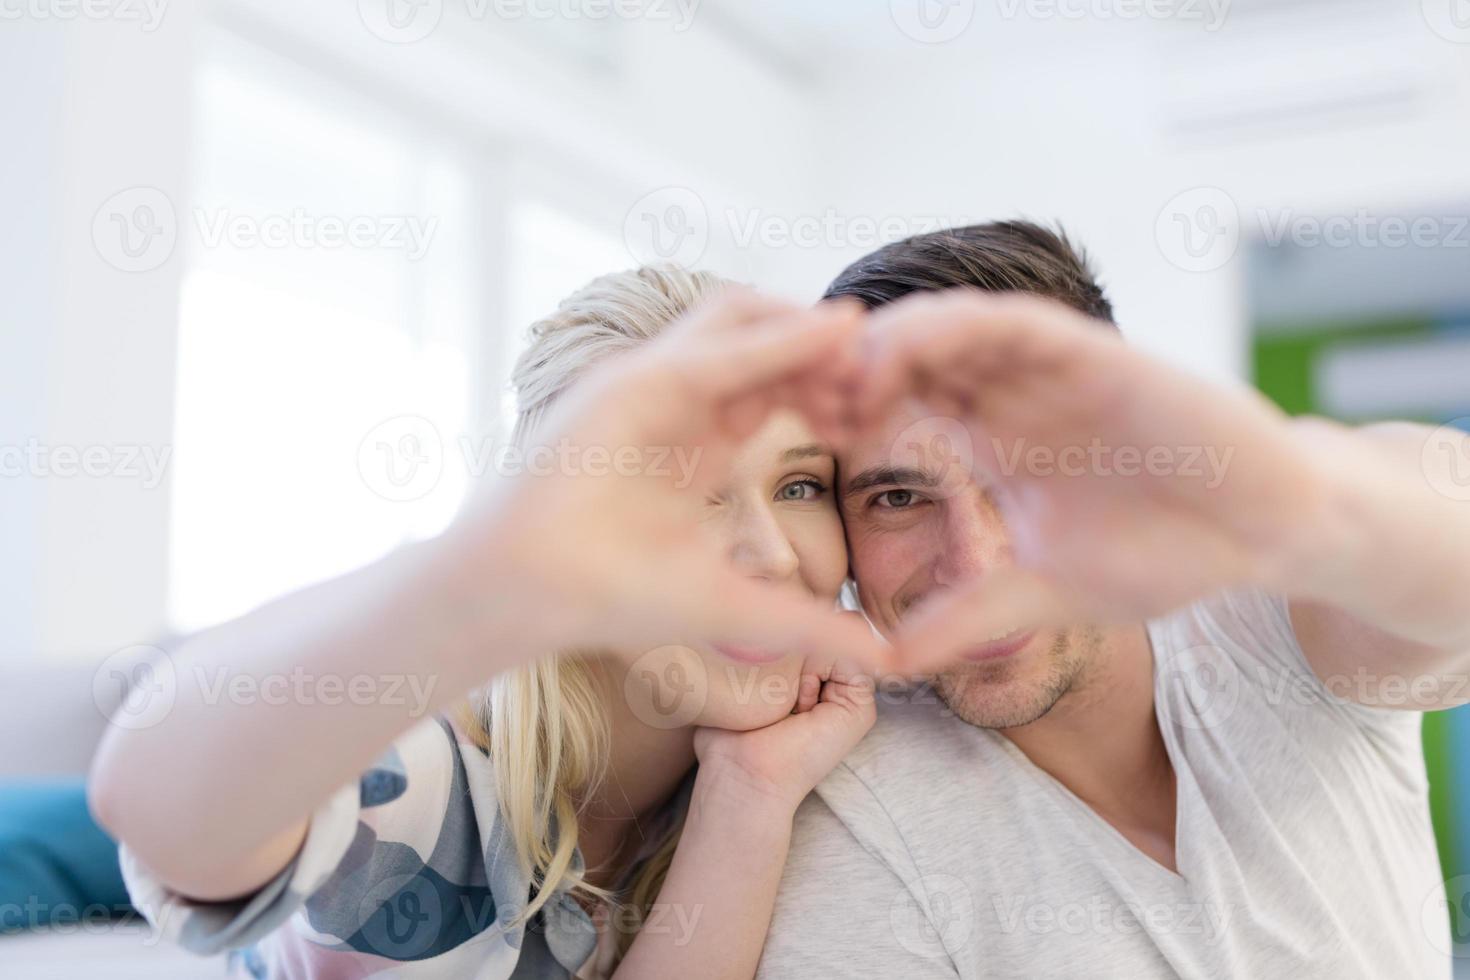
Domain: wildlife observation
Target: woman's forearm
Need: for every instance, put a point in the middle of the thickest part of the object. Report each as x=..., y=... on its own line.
x=278, y=709
x=568, y=557
x=716, y=903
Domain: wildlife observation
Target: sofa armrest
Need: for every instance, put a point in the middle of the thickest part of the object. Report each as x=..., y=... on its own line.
x=50, y=720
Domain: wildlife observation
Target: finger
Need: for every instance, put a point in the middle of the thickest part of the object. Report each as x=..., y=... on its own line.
x=741, y=416
x=848, y=670
x=845, y=670
x=808, y=691
x=745, y=612
x=903, y=339
x=967, y=335
x=770, y=351
x=959, y=621
x=735, y=307
x=855, y=688
x=819, y=666
x=828, y=429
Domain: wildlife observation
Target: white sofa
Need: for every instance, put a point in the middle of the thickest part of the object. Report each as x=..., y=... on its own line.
x=50, y=724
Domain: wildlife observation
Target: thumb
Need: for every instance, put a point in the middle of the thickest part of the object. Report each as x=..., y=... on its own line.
x=1004, y=601
x=742, y=611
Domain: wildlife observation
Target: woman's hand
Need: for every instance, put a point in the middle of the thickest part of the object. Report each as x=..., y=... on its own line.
x=599, y=551
x=783, y=762
x=601, y=547
x=738, y=829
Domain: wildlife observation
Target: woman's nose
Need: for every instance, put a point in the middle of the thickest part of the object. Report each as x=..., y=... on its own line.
x=758, y=546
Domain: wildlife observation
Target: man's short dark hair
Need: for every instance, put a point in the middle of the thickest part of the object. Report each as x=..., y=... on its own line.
x=998, y=256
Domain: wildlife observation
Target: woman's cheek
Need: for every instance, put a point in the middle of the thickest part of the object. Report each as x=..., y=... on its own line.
x=822, y=550
x=743, y=697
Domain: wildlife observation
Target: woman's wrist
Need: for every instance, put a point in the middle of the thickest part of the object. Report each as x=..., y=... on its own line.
x=483, y=590
x=722, y=793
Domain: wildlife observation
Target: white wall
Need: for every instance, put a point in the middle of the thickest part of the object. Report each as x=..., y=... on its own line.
x=1088, y=122
x=784, y=118
x=31, y=70
x=88, y=349
x=97, y=107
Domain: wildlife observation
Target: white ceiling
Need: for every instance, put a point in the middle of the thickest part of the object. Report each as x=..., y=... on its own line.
x=802, y=35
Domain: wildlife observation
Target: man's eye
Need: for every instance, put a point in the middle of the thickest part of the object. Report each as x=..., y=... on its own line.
x=894, y=499
x=801, y=490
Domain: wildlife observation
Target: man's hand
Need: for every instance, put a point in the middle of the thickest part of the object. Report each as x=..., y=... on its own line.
x=1128, y=487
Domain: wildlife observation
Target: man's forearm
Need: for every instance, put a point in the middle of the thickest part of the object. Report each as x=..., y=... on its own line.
x=1389, y=547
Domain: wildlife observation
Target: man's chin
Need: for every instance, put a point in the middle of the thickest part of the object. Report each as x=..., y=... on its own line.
x=1009, y=688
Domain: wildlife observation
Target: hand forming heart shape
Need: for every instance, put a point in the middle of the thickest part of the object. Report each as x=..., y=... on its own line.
x=1127, y=487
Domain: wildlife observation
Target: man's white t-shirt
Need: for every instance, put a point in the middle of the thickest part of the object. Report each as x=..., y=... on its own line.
x=1304, y=844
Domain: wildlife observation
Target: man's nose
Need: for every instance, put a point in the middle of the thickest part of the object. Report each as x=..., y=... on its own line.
x=759, y=547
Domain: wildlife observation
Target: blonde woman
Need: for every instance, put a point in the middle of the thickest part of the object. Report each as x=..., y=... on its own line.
x=649, y=651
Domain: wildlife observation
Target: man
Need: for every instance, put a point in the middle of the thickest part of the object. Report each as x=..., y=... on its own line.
x=1184, y=642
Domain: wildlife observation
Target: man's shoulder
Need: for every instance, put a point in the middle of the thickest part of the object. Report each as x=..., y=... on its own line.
x=916, y=757
x=1241, y=641
x=913, y=728
x=1229, y=670
x=1250, y=623
x=922, y=791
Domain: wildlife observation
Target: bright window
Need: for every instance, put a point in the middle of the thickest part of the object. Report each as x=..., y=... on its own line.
x=326, y=325
x=552, y=254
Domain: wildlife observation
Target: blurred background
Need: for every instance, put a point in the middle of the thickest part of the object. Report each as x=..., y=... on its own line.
x=266, y=265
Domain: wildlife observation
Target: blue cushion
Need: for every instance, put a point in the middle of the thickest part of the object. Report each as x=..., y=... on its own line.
x=56, y=864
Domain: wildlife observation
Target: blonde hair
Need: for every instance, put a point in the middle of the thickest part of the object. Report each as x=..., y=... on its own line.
x=545, y=726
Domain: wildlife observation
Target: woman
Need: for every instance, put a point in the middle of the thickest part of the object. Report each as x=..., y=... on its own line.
x=555, y=824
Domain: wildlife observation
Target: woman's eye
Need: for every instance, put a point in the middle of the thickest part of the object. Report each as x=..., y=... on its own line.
x=801, y=490
x=894, y=499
